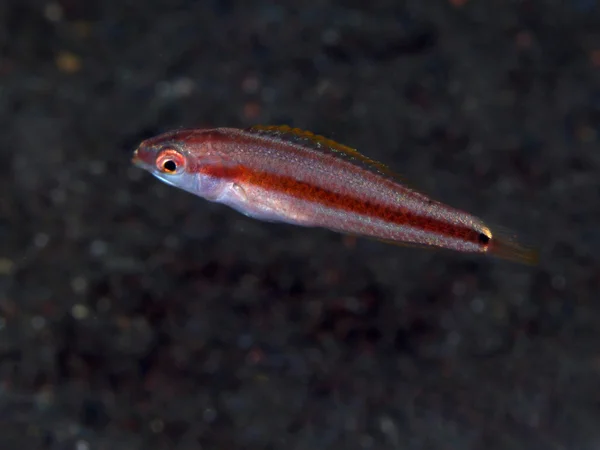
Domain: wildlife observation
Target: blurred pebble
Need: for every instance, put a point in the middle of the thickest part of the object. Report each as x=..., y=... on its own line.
x=447, y=321
x=44, y=398
x=256, y=356
x=58, y=196
x=586, y=134
x=53, y=12
x=123, y=322
x=182, y=87
x=103, y=304
x=8, y=307
x=80, y=186
x=559, y=282
x=73, y=429
x=82, y=28
x=79, y=285
x=68, y=62
x=250, y=84
x=459, y=288
x=367, y=441
x=349, y=241
x=248, y=282
x=453, y=339
x=268, y=94
x=97, y=167
x=73, y=227
x=330, y=37
x=359, y=109
x=388, y=428
x=157, y=425
x=477, y=305
x=524, y=40
x=82, y=445
x=499, y=311
x=251, y=111
x=6, y=266
x=140, y=324
x=470, y=104
x=123, y=198
x=245, y=341
x=209, y=415
x=38, y=322
x=352, y=304
x=79, y=311
x=171, y=241
x=323, y=87
x=41, y=240
x=135, y=173
x=213, y=362
x=98, y=248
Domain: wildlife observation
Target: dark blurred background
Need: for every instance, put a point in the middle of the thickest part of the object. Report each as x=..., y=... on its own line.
x=136, y=316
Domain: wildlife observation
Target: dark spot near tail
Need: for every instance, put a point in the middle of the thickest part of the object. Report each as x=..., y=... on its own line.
x=483, y=238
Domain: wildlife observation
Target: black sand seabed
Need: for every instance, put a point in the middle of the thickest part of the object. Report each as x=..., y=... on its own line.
x=136, y=316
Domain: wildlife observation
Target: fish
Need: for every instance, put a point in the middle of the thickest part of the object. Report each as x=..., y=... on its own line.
x=277, y=173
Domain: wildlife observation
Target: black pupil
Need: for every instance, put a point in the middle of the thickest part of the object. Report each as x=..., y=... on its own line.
x=170, y=166
x=483, y=238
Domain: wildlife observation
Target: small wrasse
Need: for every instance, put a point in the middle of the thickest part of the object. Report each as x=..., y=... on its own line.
x=283, y=174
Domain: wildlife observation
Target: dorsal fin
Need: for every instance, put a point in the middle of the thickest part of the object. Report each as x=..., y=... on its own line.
x=322, y=143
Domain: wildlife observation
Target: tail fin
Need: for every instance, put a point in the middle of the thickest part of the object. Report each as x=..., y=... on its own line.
x=504, y=245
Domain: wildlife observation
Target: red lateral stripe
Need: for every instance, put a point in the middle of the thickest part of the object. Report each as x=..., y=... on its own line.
x=316, y=194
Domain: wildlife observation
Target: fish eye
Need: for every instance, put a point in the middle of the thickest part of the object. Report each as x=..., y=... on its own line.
x=170, y=161
x=169, y=165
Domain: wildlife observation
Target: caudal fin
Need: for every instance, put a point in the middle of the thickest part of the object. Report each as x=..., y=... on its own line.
x=504, y=244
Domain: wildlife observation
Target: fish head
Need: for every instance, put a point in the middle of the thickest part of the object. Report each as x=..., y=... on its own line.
x=180, y=161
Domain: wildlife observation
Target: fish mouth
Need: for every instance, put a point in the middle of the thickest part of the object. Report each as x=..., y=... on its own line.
x=136, y=160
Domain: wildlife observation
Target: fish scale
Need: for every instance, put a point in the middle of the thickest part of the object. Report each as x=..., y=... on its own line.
x=289, y=175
